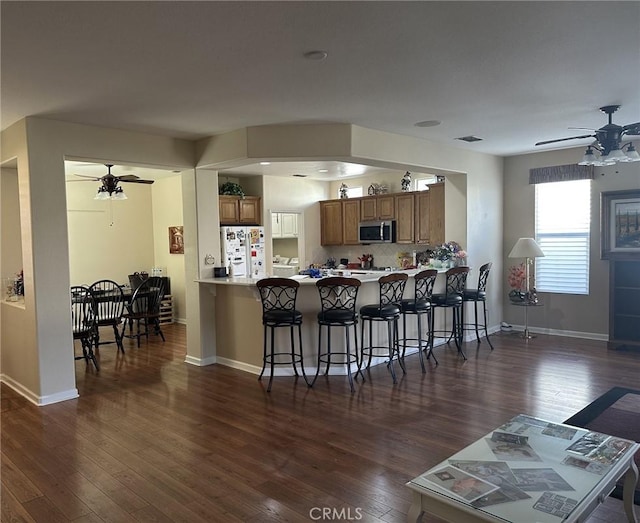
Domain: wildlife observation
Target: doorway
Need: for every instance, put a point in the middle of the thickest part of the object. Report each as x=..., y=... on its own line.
x=286, y=242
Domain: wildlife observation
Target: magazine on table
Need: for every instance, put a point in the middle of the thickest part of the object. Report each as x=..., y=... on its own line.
x=600, y=448
x=459, y=483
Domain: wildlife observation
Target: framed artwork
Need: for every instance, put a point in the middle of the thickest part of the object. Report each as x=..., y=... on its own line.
x=620, y=224
x=176, y=240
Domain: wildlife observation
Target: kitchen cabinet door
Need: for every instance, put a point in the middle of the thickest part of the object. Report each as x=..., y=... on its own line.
x=276, y=225
x=234, y=210
x=429, y=227
x=377, y=208
x=229, y=210
x=249, y=210
x=405, y=210
x=331, y=222
x=289, y=225
x=350, y=221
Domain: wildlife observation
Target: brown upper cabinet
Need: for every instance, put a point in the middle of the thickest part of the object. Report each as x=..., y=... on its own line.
x=429, y=226
x=377, y=208
x=240, y=211
x=419, y=216
x=331, y=222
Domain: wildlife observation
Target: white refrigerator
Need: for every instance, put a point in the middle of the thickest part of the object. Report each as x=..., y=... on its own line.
x=243, y=251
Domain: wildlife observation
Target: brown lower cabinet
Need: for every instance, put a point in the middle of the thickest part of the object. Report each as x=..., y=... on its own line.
x=419, y=217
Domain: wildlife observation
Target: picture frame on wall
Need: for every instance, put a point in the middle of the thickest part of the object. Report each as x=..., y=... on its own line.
x=620, y=224
x=176, y=240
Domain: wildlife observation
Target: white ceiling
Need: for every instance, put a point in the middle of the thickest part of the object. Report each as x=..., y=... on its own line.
x=511, y=73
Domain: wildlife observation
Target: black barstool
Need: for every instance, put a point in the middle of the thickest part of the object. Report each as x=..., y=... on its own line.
x=476, y=296
x=456, y=280
x=278, y=296
x=418, y=306
x=388, y=310
x=338, y=309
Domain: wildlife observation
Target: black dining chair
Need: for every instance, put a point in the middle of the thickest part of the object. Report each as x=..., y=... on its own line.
x=144, y=309
x=109, y=302
x=83, y=322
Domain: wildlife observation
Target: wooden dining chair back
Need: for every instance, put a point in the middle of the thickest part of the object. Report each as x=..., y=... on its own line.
x=144, y=309
x=83, y=322
x=109, y=302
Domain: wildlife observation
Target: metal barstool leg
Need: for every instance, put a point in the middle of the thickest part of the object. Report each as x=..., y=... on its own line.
x=431, y=321
x=264, y=352
x=304, y=374
x=348, y=358
x=391, y=350
x=293, y=354
x=458, y=318
x=420, y=343
x=396, y=344
x=486, y=332
x=272, y=357
x=475, y=310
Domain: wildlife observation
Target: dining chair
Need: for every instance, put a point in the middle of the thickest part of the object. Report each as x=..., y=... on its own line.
x=144, y=308
x=83, y=322
x=109, y=304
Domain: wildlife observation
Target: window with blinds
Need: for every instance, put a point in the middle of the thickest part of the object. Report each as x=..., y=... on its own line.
x=563, y=218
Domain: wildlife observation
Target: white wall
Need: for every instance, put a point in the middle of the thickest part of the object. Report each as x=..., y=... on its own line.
x=167, y=212
x=108, y=239
x=583, y=316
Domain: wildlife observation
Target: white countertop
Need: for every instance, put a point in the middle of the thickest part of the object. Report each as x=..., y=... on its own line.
x=363, y=276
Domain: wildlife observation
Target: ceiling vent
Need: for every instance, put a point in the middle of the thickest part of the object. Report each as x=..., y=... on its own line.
x=469, y=139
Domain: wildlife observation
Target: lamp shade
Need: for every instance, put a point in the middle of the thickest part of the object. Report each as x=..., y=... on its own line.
x=526, y=248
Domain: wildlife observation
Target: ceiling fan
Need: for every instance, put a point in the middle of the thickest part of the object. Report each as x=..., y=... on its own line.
x=110, y=188
x=608, y=142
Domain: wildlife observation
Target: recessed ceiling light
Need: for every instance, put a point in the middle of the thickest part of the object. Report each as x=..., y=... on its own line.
x=323, y=170
x=316, y=55
x=469, y=139
x=265, y=163
x=428, y=123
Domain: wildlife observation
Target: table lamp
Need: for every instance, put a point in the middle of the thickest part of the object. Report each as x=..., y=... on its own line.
x=528, y=249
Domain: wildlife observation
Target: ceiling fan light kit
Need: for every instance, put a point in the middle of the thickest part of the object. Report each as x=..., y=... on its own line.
x=608, y=142
x=109, y=188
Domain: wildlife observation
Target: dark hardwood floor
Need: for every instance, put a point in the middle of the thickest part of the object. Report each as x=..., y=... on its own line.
x=154, y=439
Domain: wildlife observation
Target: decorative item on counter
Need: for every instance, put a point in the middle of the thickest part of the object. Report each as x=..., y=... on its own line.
x=331, y=263
x=406, y=182
x=447, y=254
x=231, y=188
x=373, y=189
x=366, y=261
x=404, y=260
x=439, y=178
x=382, y=189
x=343, y=191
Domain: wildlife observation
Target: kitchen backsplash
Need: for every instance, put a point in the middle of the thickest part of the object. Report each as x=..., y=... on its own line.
x=384, y=254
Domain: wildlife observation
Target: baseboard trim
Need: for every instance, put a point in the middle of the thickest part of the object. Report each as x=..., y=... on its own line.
x=39, y=401
x=200, y=362
x=558, y=332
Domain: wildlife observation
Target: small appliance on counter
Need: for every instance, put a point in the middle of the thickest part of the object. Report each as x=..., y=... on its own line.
x=219, y=272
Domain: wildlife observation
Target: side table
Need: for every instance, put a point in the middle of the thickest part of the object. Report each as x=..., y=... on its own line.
x=526, y=334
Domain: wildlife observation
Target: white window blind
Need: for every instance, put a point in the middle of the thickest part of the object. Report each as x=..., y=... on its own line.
x=563, y=217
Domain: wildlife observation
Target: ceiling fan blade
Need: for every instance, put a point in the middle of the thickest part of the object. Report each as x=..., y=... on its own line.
x=582, y=128
x=128, y=178
x=92, y=178
x=632, y=128
x=565, y=139
x=125, y=180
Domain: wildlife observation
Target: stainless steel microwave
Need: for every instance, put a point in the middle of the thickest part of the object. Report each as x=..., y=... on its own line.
x=377, y=232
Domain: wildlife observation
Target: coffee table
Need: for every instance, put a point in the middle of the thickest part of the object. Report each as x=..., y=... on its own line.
x=528, y=471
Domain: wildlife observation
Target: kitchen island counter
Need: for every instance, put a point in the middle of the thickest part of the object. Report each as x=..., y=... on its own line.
x=238, y=319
